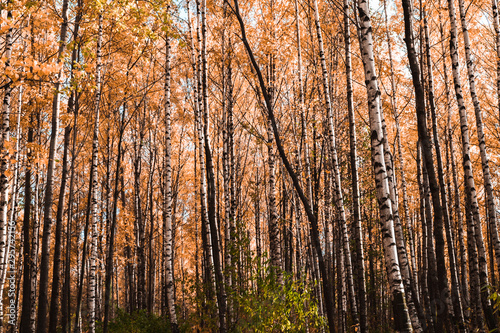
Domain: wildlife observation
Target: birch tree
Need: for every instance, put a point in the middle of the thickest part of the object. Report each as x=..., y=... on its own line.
x=401, y=318
x=468, y=173
x=168, y=244
x=49, y=188
x=339, y=201
x=4, y=151
x=358, y=235
x=95, y=160
x=485, y=161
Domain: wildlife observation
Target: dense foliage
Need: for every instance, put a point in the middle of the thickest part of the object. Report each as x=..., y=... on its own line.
x=249, y=166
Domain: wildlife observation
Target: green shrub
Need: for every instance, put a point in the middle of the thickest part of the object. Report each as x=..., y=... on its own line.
x=138, y=322
x=278, y=308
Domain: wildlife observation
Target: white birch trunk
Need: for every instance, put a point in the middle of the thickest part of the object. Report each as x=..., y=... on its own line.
x=196, y=62
x=201, y=155
x=358, y=231
x=274, y=236
x=456, y=306
x=402, y=320
x=400, y=156
x=168, y=244
x=93, y=212
x=466, y=160
x=301, y=108
x=335, y=166
x=4, y=156
x=488, y=186
x=9, y=258
x=496, y=26
x=456, y=196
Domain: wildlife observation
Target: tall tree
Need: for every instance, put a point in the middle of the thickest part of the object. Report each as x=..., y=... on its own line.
x=358, y=235
x=485, y=160
x=401, y=318
x=470, y=190
x=338, y=195
x=496, y=26
x=429, y=167
x=273, y=228
x=310, y=215
x=4, y=151
x=214, y=233
x=168, y=242
x=457, y=304
x=49, y=187
x=93, y=203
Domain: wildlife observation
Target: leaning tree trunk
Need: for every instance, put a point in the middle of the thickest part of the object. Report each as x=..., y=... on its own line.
x=401, y=318
x=305, y=142
x=313, y=223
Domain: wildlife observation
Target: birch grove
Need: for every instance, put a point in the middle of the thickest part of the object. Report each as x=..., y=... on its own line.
x=249, y=166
